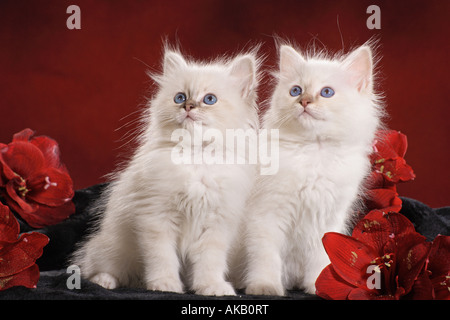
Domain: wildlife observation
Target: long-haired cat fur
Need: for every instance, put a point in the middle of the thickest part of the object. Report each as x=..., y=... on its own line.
x=327, y=114
x=169, y=226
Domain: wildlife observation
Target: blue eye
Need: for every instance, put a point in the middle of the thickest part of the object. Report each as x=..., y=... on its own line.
x=179, y=97
x=327, y=92
x=210, y=99
x=295, y=91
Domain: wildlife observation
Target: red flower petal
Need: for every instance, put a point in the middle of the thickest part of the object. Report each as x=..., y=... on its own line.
x=24, y=135
x=48, y=146
x=50, y=150
x=383, y=199
x=16, y=202
x=46, y=216
x=9, y=227
x=27, y=278
x=441, y=287
x=51, y=187
x=391, y=144
x=439, y=265
x=440, y=256
x=349, y=257
x=412, y=253
x=422, y=288
x=376, y=180
x=22, y=158
x=22, y=254
x=377, y=227
x=361, y=294
x=6, y=173
x=395, y=170
x=329, y=285
x=400, y=225
x=374, y=230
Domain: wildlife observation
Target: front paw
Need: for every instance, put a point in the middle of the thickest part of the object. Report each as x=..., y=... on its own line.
x=266, y=289
x=218, y=289
x=105, y=280
x=310, y=288
x=166, y=285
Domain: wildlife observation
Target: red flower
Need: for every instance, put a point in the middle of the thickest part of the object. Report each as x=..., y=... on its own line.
x=18, y=254
x=384, y=259
x=385, y=200
x=33, y=180
x=388, y=160
x=434, y=282
x=388, y=169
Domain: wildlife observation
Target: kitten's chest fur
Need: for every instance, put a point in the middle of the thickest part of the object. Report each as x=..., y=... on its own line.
x=197, y=193
x=326, y=182
x=198, y=190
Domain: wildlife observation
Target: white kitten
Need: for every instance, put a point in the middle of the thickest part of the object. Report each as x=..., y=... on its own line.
x=168, y=226
x=327, y=115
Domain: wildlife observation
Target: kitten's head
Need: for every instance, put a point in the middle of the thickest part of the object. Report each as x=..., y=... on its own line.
x=219, y=94
x=324, y=98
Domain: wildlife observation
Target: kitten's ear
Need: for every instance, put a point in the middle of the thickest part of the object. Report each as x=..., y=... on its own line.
x=360, y=65
x=173, y=61
x=289, y=58
x=244, y=69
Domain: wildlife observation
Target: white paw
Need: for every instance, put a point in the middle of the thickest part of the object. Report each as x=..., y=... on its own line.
x=218, y=289
x=310, y=288
x=105, y=280
x=267, y=289
x=166, y=285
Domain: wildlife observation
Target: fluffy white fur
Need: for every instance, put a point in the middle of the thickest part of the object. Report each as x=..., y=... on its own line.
x=170, y=227
x=323, y=161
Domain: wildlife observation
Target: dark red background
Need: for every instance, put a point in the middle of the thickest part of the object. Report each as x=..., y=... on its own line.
x=77, y=85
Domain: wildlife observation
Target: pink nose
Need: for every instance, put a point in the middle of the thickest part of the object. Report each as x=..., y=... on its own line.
x=305, y=101
x=189, y=105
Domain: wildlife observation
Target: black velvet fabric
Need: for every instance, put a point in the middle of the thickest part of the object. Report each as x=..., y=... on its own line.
x=65, y=235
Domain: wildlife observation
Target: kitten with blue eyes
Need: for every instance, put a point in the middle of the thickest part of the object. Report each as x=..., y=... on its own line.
x=327, y=114
x=169, y=226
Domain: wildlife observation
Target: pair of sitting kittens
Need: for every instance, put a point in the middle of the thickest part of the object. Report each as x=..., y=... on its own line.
x=216, y=227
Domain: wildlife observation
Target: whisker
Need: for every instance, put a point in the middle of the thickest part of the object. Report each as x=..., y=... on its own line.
x=340, y=33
